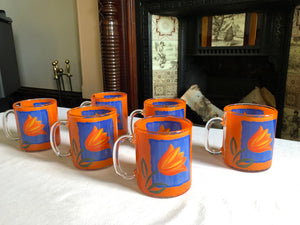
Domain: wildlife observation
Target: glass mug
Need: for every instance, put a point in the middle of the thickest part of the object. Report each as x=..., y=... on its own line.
x=34, y=118
x=160, y=106
x=92, y=131
x=115, y=99
x=248, y=136
x=163, y=155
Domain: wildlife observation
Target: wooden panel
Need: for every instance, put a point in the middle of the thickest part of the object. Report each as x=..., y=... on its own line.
x=118, y=44
x=110, y=46
x=132, y=58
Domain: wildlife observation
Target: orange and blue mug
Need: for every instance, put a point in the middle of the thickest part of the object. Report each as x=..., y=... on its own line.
x=92, y=131
x=34, y=119
x=160, y=106
x=163, y=155
x=115, y=99
x=248, y=136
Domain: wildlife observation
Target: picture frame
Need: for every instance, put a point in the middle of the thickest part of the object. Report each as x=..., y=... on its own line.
x=230, y=30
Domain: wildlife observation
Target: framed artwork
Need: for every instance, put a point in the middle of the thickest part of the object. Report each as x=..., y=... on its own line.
x=229, y=30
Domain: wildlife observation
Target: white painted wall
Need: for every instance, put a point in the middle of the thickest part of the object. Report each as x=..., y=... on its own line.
x=44, y=30
x=90, y=50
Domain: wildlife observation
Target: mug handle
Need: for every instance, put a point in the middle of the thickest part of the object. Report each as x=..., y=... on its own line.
x=85, y=103
x=116, y=162
x=132, y=115
x=207, y=128
x=53, y=138
x=6, y=130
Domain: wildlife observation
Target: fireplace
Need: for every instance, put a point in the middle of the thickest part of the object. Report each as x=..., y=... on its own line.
x=225, y=74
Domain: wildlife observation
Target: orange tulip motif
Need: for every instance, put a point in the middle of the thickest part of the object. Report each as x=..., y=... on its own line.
x=118, y=118
x=33, y=127
x=172, y=162
x=260, y=141
x=97, y=140
x=163, y=129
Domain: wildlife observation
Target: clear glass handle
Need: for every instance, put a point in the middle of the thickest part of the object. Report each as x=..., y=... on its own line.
x=86, y=103
x=53, y=138
x=6, y=129
x=206, y=136
x=116, y=162
x=132, y=115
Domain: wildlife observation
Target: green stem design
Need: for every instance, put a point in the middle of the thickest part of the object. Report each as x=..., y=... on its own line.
x=235, y=153
x=161, y=186
x=156, y=185
x=241, y=162
x=239, y=152
x=75, y=148
x=144, y=168
x=79, y=154
x=25, y=144
x=233, y=146
x=151, y=175
x=85, y=162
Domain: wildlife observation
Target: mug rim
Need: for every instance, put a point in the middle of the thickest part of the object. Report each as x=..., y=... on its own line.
x=52, y=101
x=273, y=111
x=173, y=118
x=96, y=95
x=150, y=101
x=112, y=111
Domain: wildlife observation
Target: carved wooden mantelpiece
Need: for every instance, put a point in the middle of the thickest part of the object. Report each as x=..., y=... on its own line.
x=118, y=46
x=110, y=46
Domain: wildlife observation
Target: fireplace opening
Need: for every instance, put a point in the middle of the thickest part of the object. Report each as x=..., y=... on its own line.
x=225, y=73
x=226, y=80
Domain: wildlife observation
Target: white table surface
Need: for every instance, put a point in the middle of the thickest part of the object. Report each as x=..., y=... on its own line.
x=41, y=188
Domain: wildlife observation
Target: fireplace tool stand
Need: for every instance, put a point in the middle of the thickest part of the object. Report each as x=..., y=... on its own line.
x=58, y=75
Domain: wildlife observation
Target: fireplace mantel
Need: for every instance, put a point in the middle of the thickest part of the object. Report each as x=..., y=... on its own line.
x=196, y=7
x=134, y=33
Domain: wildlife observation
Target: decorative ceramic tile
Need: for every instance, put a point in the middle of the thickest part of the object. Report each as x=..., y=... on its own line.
x=164, y=56
x=294, y=57
x=291, y=119
x=290, y=124
x=165, y=83
x=164, y=28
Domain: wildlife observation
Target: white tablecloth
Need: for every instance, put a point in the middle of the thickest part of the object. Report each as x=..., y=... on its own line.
x=40, y=188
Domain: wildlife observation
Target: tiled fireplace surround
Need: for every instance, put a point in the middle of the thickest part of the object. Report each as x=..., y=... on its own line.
x=173, y=58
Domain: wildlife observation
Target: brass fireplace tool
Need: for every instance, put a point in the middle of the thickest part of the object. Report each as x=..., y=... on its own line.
x=58, y=76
